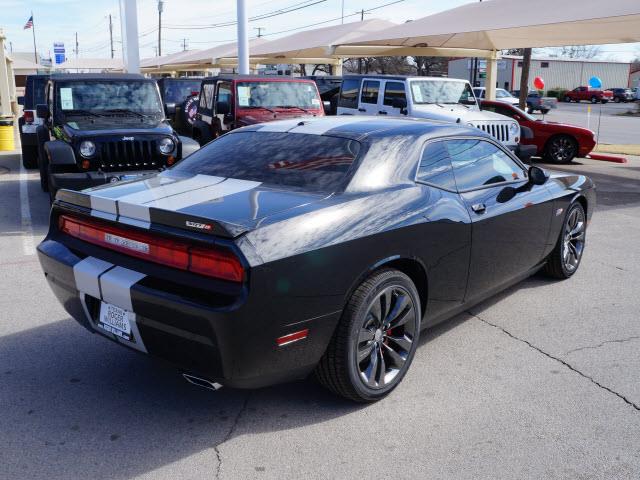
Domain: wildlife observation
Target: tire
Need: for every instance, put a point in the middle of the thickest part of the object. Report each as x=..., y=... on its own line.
x=530, y=110
x=603, y=101
x=559, y=266
x=561, y=149
x=594, y=99
x=30, y=156
x=545, y=111
x=360, y=333
x=567, y=99
x=43, y=165
x=616, y=99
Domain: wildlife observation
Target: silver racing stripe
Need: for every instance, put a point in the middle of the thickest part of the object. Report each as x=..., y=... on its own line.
x=188, y=199
x=116, y=286
x=182, y=185
x=87, y=272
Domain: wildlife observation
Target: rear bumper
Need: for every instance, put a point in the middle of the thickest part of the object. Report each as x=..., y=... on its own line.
x=232, y=344
x=82, y=180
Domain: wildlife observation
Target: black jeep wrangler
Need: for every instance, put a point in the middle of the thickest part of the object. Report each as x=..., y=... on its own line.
x=101, y=128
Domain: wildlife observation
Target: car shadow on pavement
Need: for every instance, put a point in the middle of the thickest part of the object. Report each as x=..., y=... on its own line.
x=76, y=406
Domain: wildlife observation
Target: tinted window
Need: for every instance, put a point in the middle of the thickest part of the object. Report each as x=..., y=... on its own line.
x=312, y=162
x=370, y=92
x=177, y=91
x=349, y=93
x=393, y=90
x=477, y=163
x=224, y=93
x=435, y=167
x=34, y=93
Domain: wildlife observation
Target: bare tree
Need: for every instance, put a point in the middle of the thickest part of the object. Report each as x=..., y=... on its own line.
x=383, y=65
x=431, y=66
x=524, y=78
x=579, y=51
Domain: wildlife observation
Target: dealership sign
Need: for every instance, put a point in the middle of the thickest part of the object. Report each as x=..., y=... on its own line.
x=58, y=52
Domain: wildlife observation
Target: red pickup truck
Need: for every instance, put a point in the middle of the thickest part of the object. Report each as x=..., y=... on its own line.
x=587, y=93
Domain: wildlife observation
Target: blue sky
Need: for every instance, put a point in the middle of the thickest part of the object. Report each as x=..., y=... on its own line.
x=58, y=20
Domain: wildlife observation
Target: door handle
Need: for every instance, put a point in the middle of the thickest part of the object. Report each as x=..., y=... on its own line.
x=362, y=109
x=382, y=112
x=479, y=208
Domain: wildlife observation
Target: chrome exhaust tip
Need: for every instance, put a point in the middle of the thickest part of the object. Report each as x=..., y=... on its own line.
x=202, y=382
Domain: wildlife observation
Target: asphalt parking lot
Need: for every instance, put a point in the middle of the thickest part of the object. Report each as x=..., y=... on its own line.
x=614, y=128
x=541, y=381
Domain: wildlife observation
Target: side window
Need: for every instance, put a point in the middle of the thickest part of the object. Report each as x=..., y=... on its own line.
x=435, y=167
x=370, y=89
x=393, y=90
x=224, y=93
x=206, y=96
x=478, y=163
x=349, y=93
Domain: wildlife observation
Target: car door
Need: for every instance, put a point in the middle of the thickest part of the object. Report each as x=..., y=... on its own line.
x=510, y=216
x=392, y=90
x=369, y=97
x=224, y=93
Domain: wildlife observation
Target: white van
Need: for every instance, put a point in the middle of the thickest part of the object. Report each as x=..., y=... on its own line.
x=444, y=99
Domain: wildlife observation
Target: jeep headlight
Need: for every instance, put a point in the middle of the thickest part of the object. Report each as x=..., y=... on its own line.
x=166, y=146
x=87, y=148
x=514, y=130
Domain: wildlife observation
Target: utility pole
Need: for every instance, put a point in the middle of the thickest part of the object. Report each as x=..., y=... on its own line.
x=76, y=50
x=184, y=44
x=259, y=30
x=243, y=38
x=11, y=47
x=111, y=35
x=160, y=3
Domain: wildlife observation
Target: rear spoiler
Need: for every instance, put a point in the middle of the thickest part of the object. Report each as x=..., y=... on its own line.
x=144, y=217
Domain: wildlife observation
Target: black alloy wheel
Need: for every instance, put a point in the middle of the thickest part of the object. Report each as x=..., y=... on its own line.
x=567, y=99
x=567, y=254
x=561, y=149
x=376, y=339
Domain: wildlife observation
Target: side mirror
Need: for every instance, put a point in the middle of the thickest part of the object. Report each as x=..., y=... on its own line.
x=222, y=108
x=42, y=111
x=537, y=176
x=170, y=109
x=399, y=102
x=20, y=100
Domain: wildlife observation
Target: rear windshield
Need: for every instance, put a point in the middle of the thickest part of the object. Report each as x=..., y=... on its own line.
x=177, y=91
x=311, y=162
x=278, y=94
x=34, y=93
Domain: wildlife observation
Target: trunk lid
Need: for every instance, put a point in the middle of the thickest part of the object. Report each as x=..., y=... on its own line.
x=225, y=207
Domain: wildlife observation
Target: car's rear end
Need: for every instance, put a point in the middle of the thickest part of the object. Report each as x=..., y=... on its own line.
x=29, y=121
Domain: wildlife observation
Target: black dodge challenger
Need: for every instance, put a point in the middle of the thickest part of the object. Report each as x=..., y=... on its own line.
x=311, y=245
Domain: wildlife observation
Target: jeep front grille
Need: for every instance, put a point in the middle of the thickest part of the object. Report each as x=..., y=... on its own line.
x=130, y=155
x=499, y=131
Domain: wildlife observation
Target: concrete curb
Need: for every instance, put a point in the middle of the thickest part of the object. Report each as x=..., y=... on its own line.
x=631, y=149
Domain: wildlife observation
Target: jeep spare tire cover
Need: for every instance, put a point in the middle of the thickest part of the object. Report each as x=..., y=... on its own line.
x=189, y=109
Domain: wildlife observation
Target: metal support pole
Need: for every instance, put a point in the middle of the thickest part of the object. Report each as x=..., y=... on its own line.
x=159, y=28
x=243, y=38
x=129, y=25
x=111, y=35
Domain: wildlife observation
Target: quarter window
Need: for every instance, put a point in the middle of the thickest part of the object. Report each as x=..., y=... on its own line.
x=478, y=163
x=224, y=93
x=393, y=90
x=349, y=93
x=435, y=167
x=370, y=91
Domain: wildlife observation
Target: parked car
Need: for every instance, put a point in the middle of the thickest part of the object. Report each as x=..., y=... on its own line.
x=329, y=88
x=557, y=142
x=232, y=101
x=592, y=95
x=501, y=95
x=622, y=94
x=29, y=121
x=179, y=97
x=535, y=101
x=101, y=128
x=443, y=99
x=319, y=244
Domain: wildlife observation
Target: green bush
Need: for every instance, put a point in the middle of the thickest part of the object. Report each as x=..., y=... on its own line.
x=558, y=93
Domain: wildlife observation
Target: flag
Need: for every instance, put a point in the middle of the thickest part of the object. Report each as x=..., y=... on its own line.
x=29, y=23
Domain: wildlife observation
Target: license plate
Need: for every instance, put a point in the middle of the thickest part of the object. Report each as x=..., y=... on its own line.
x=115, y=320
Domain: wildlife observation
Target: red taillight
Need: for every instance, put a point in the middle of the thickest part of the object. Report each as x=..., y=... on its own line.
x=210, y=261
x=28, y=116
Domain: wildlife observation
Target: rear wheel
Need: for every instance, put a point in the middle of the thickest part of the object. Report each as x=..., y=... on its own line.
x=30, y=156
x=565, y=258
x=567, y=99
x=561, y=149
x=616, y=99
x=594, y=99
x=376, y=339
x=43, y=165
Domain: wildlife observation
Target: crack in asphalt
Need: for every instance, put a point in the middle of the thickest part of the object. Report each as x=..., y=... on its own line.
x=588, y=347
x=232, y=429
x=559, y=360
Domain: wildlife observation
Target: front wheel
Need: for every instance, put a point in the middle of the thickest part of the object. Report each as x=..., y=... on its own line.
x=375, y=340
x=616, y=99
x=561, y=149
x=594, y=99
x=567, y=99
x=565, y=258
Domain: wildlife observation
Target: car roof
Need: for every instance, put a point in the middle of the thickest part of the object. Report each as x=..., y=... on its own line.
x=277, y=78
x=360, y=128
x=400, y=77
x=98, y=76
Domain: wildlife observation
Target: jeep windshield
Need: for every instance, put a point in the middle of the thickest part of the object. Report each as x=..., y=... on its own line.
x=108, y=98
x=441, y=92
x=270, y=95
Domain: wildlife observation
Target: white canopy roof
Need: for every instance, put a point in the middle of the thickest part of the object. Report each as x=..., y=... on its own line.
x=502, y=24
x=165, y=59
x=205, y=57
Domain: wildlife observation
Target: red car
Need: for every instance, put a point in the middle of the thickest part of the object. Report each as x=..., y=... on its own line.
x=592, y=95
x=556, y=142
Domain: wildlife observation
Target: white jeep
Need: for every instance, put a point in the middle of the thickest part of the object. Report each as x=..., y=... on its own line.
x=444, y=99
